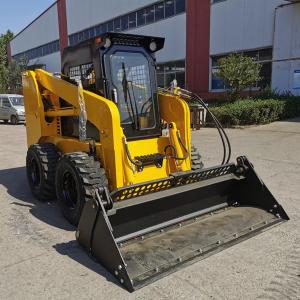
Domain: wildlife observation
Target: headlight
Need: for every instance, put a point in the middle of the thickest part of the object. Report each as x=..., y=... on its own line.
x=107, y=43
x=153, y=46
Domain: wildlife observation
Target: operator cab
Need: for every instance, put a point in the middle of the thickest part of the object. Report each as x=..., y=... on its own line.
x=120, y=67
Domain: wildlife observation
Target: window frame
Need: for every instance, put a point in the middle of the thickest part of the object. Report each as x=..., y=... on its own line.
x=7, y=99
x=246, y=53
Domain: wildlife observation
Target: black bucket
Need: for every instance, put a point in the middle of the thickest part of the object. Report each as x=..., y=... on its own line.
x=161, y=226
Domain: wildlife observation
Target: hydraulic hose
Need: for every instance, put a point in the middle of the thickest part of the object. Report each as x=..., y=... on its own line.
x=196, y=98
x=135, y=162
x=175, y=156
x=189, y=96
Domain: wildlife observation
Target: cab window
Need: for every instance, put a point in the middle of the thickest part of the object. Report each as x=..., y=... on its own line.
x=5, y=102
x=131, y=79
x=17, y=101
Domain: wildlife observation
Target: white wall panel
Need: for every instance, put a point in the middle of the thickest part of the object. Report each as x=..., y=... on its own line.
x=82, y=14
x=287, y=34
x=286, y=52
x=283, y=76
x=42, y=31
x=52, y=62
x=242, y=24
x=174, y=31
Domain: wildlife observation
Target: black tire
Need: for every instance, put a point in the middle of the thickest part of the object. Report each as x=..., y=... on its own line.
x=5, y=121
x=41, y=164
x=77, y=177
x=196, y=159
x=14, y=120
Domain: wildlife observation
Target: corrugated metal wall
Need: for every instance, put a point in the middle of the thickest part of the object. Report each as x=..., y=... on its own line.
x=286, y=54
x=242, y=25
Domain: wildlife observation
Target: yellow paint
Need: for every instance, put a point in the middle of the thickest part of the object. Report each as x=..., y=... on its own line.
x=44, y=127
x=63, y=112
x=175, y=110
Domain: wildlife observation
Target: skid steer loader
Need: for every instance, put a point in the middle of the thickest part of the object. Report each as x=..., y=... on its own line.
x=116, y=153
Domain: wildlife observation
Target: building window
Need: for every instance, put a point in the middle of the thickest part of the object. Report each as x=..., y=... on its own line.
x=80, y=36
x=98, y=30
x=169, y=8
x=150, y=14
x=124, y=23
x=39, y=51
x=141, y=17
x=180, y=6
x=167, y=72
x=262, y=56
x=159, y=11
x=132, y=20
x=117, y=24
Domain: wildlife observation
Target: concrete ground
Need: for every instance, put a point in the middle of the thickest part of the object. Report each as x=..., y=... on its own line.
x=39, y=258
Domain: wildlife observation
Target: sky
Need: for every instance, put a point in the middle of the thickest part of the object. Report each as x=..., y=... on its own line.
x=17, y=14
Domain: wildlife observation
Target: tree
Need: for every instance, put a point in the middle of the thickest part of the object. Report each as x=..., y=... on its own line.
x=15, y=70
x=4, y=38
x=3, y=70
x=10, y=72
x=239, y=72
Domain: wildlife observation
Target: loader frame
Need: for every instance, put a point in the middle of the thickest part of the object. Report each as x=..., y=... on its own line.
x=44, y=126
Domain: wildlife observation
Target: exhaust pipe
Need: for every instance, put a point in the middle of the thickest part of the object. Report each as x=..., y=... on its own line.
x=163, y=225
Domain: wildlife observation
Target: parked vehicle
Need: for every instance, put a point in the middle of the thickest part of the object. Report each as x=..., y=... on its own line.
x=12, y=108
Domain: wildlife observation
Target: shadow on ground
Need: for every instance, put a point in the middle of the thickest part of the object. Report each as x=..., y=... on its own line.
x=75, y=252
x=293, y=120
x=15, y=181
x=9, y=124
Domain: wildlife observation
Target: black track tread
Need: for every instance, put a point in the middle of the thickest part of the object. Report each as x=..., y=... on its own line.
x=90, y=172
x=196, y=160
x=49, y=157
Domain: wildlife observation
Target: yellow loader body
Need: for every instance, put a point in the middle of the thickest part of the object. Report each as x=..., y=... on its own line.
x=45, y=127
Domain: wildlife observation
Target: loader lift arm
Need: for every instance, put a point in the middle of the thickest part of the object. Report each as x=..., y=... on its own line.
x=108, y=125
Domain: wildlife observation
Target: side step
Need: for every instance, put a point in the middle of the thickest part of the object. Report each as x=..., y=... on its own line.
x=195, y=214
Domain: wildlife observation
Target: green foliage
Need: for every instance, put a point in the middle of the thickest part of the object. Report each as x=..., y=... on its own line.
x=269, y=93
x=239, y=72
x=257, y=111
x=10, y=73
x=3, y=61
x=15, y=70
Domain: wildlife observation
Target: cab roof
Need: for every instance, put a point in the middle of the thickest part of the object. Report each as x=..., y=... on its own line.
x=122, y=39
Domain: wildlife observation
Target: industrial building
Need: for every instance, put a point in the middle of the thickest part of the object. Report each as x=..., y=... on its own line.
x=197, y=34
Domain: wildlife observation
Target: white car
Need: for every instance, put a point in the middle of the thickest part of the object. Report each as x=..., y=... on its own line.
x=12, y=108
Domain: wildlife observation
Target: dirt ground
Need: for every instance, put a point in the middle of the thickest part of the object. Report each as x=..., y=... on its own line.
x=40, y=259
